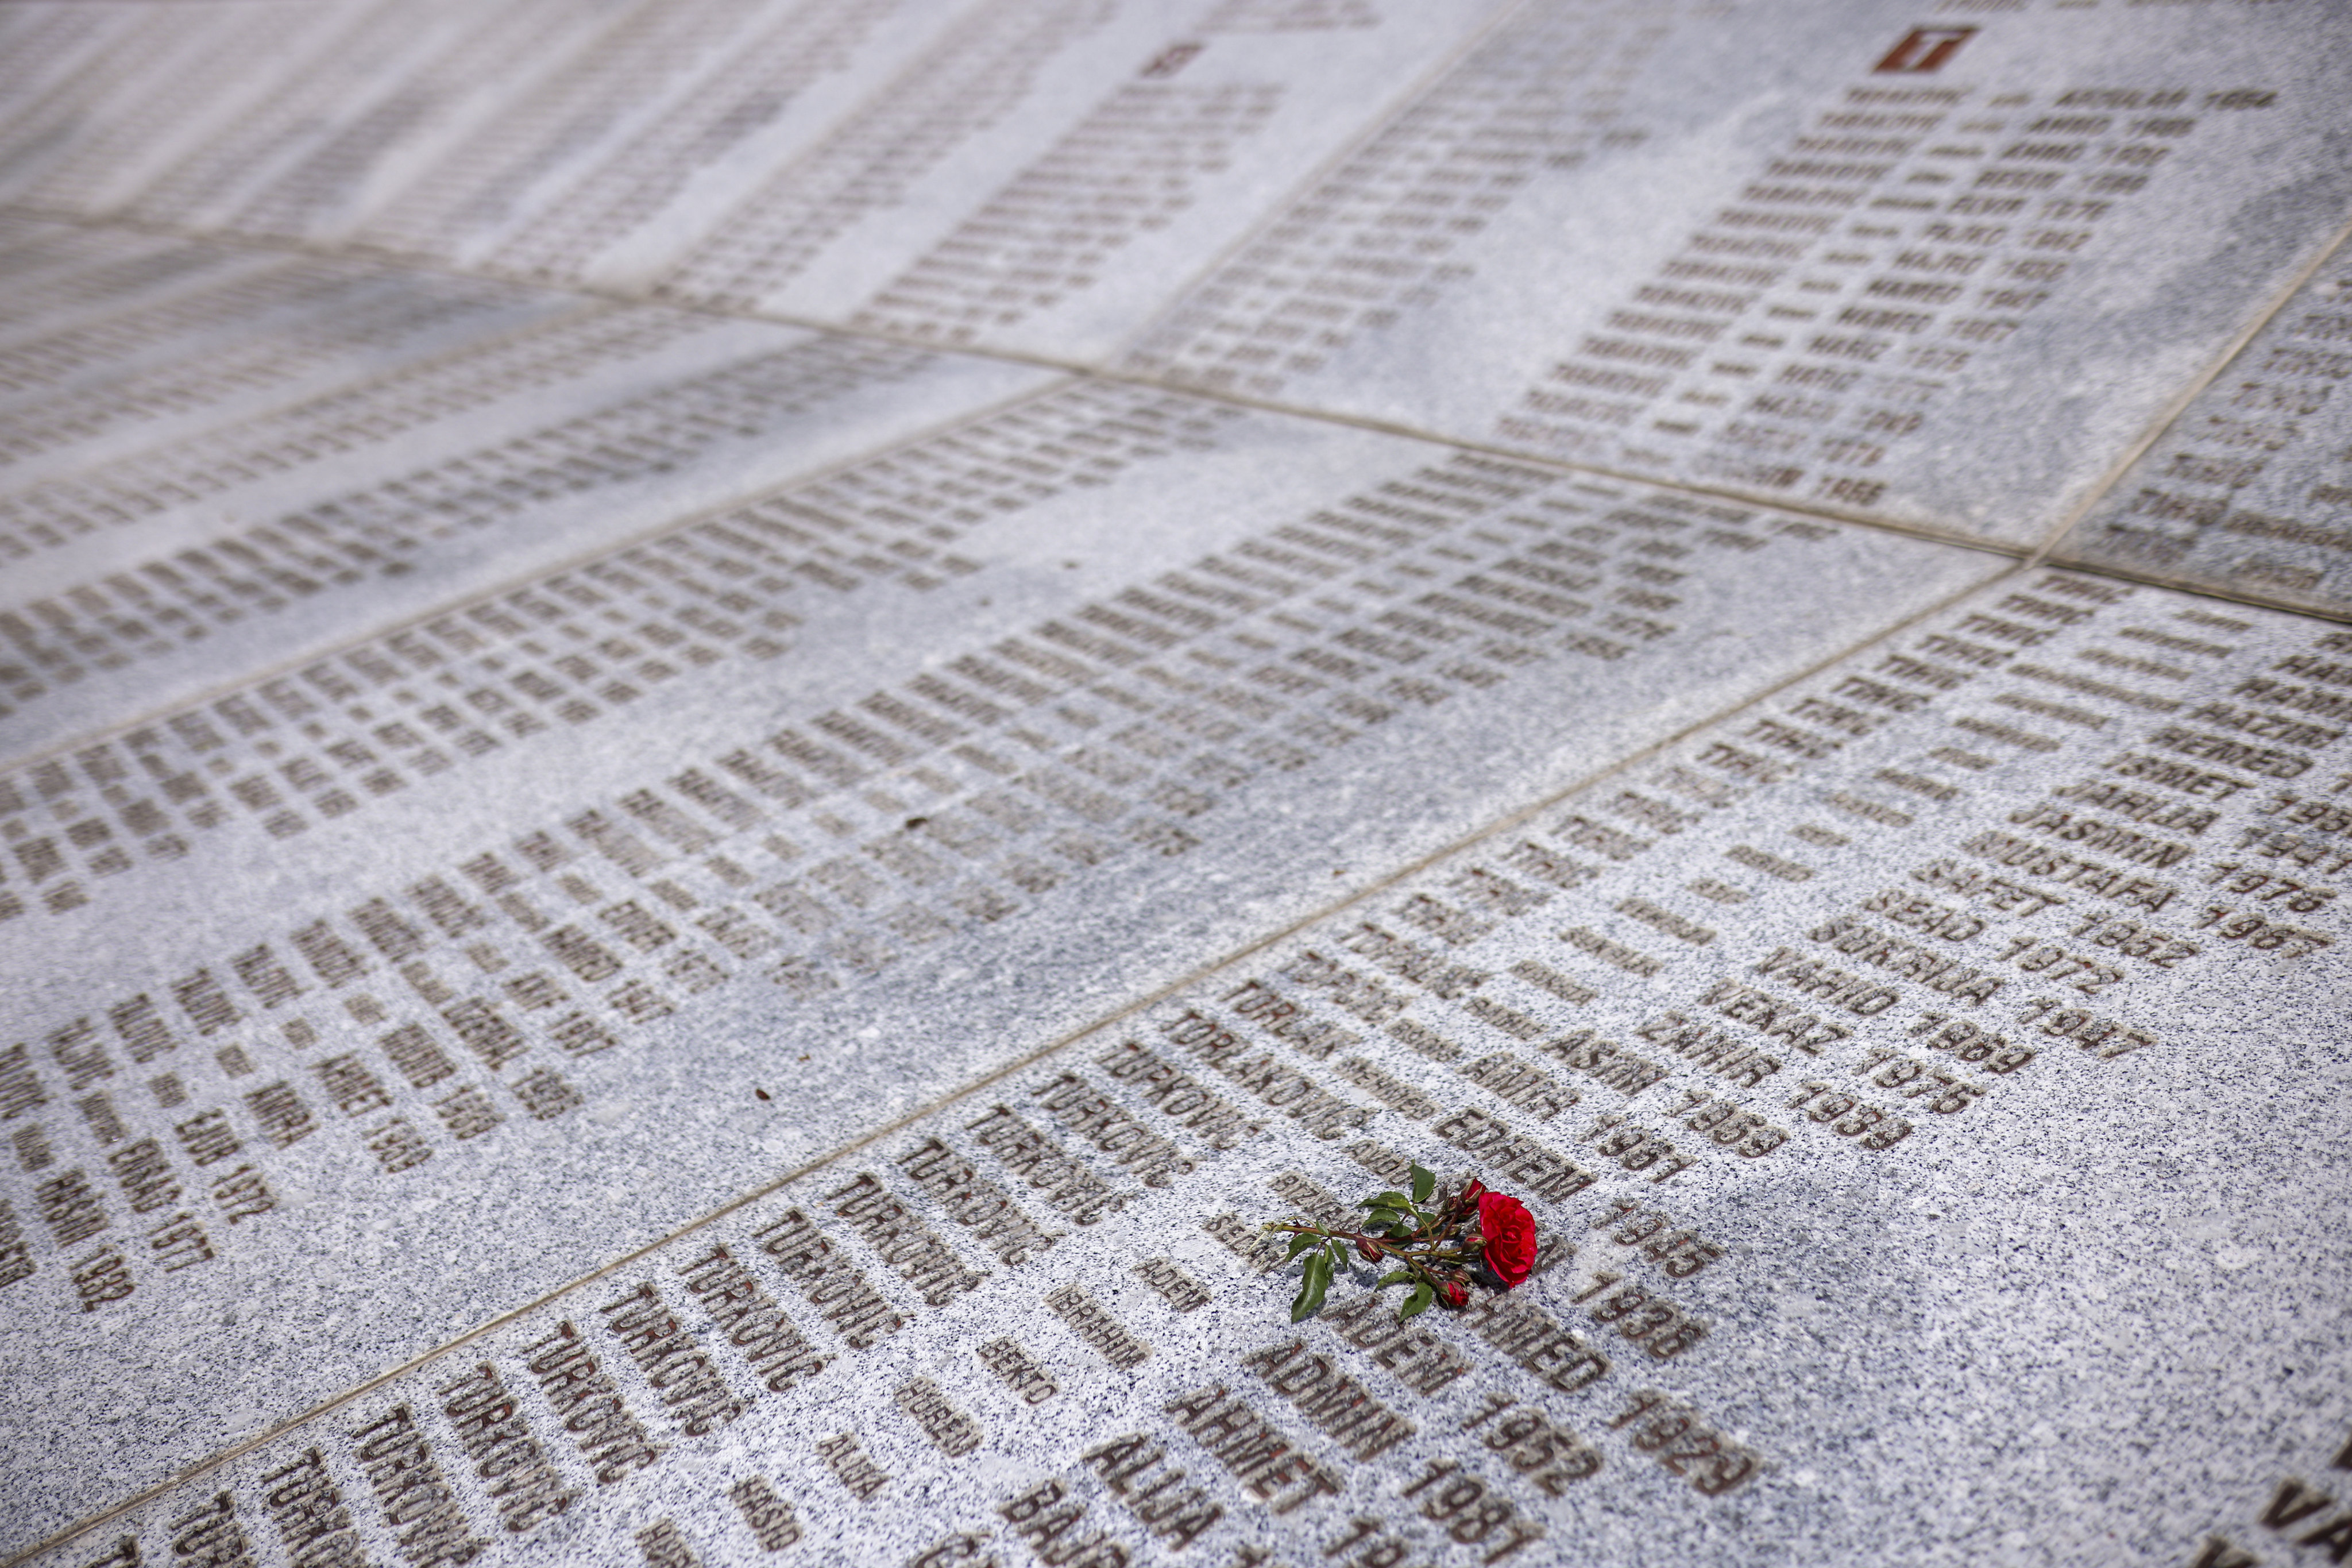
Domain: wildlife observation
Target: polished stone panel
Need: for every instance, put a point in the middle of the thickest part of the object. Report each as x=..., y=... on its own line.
x=660, y=417
x=2244, y=492
x=728, y=728
x=1876, y=1061
x=1045, y=175
x=936, y=825
x=1940, y=275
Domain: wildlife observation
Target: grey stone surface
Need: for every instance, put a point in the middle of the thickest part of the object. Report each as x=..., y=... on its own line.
x=152, y=594
x=1736, y=249
x=1086, y=157
x=229, y=335
x=1155, y=719
x=1939, y=1033
x=128, y=93
x=728, y=726
x=2243, y=492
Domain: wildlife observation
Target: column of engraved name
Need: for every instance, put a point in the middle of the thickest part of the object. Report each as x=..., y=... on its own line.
x=1377, y=238
x=1905, y=233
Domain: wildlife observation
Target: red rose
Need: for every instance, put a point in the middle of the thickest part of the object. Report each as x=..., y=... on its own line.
x=1453, y=1293
x=1510, y=1232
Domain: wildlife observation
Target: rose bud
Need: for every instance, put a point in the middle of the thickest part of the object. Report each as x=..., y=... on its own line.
x=1453, y=1292
x=1365, y=1250
x=1509, y=1234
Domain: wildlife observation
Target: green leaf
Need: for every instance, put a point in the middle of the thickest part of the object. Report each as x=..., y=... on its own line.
x=1424, y=1184
x=1300, y=1243
x=1420, y=1302
x=1393, y=1201
x=1395, y=1276
x=1311, y=1288
x=1384, y=1217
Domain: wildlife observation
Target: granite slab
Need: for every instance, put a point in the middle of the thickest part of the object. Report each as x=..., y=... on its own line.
x=2242, y=493
x=225, y=337
x=1045, y=177
x=1943, y=272
x=335, y=124
x=687, y=414
x=728, y=727
x=167, y=80
x=1163, y=716
x=66, y=274
x=662, y=105
x=665, y=124
x=1921, y=1079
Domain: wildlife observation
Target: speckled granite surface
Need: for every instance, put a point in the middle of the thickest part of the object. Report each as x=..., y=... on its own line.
x=727, y=730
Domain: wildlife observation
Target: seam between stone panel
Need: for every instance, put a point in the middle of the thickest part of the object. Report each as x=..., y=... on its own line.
x=523, y=579
x=1041, y=362
x=1622, y=475
x=2195, y=389
x=2029, y=553
x=1077, y=370
x=2253, y=600
x=1226, y=959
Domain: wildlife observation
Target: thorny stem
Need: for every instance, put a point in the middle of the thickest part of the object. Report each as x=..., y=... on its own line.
x=1437, y=1248
x=1380, y=1246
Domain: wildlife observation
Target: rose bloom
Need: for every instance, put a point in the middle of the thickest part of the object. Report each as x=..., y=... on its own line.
x=1510, y=1235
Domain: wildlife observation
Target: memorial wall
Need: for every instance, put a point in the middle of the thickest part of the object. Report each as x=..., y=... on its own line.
x=730, y=729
